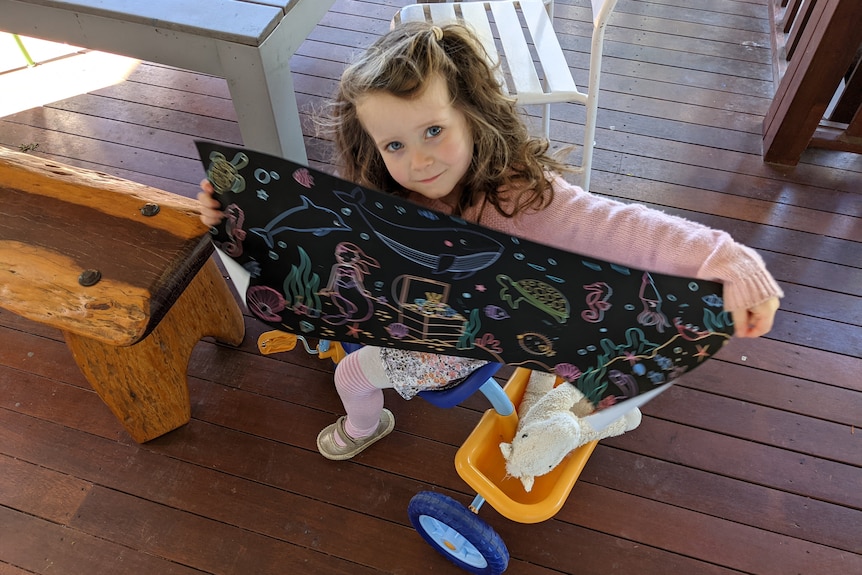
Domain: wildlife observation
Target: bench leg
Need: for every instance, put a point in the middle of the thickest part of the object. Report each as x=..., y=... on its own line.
x=145, y=384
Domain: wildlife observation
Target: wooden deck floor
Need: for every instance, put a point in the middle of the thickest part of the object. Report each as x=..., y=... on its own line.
x=752, y=464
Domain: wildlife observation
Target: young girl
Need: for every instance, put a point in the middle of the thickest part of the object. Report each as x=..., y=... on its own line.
x=421, y=115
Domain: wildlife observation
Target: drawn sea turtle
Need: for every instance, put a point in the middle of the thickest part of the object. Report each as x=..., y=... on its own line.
x=537, y=293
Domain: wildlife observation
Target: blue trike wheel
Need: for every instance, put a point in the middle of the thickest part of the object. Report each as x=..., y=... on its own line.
x=458, y=534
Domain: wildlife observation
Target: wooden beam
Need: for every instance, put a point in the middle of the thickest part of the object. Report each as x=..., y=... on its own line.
x=828, y=46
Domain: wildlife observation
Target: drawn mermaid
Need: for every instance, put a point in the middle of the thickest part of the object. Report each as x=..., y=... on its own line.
x=651, y=314
x=346, y=289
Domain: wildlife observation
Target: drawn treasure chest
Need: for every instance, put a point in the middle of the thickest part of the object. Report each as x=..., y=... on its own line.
x=424, y=310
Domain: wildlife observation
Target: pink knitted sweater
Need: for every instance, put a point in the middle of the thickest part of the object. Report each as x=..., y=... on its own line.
x=635, y=236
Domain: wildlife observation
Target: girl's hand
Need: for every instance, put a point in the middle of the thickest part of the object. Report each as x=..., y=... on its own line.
x=211, y=213
x=755, y=321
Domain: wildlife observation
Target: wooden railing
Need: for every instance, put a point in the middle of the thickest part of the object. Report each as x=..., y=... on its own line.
x=818, y=100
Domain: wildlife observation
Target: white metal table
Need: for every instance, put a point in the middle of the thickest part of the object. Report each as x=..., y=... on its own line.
x=247, y=42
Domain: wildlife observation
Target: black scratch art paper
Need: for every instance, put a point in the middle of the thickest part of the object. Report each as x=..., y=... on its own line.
x=332, y=260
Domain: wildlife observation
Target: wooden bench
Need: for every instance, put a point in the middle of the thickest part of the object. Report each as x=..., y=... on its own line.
x=125, y=271
x=247, y=42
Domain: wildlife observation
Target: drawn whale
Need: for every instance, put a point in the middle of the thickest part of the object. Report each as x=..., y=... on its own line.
x=463, y=253
x=305, y=218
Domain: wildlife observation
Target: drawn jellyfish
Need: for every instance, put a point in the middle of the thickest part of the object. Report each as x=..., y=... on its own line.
x=265, y=302
x=627, y=384
x=567, y=371
x=651, y=314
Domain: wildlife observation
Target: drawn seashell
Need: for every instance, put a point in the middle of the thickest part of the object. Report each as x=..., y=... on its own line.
x=303, y=177
x=397, y=330
x=567, y=371
x=265, y=302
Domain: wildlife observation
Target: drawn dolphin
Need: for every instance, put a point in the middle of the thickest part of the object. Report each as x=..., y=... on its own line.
x=305, y=218
x=465, y=252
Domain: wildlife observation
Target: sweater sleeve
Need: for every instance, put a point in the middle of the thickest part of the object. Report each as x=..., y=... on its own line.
x=639, y=237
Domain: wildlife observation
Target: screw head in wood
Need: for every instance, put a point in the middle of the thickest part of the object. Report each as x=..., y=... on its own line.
x=150, y=209
x=89, y=277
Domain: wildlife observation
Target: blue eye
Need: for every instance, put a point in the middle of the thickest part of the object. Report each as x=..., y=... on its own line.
x=434, y=131
x=394, y=146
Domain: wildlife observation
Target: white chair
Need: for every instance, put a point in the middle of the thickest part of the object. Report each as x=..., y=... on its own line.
x=545, y=81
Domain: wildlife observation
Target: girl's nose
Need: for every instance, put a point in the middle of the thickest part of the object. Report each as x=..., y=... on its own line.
x=420, y=160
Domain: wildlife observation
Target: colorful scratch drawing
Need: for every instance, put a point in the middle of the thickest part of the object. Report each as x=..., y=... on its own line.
x=333, y=260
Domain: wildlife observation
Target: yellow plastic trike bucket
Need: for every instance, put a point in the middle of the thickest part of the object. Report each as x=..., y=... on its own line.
x=480, y=464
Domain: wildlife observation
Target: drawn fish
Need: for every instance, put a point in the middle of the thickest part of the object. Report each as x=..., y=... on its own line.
x=305, y=218
x=496, y=312
x=465, y=253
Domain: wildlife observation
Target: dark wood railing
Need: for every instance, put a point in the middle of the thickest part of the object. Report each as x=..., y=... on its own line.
x=818, y=100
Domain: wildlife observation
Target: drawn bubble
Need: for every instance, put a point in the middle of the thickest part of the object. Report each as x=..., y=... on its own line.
x=448, y=243
x=264, y=177
x=364, y=235
x=306, y=327
x=262, y=195
x=537, y=267
x=401, y=210
x=693, y=286
x=629, y=307
x=378, y=285
x=591, y=348
x=592, y=266
x=582, y=352
x=638, y=369
x=466, y=295
x=552, y=261
x=603, y=330
x=516, y=241
x=378, y=205
x=273, y=255
x=670, y=297
x=556, y=279
x=677, y=350
x=282, y=244
x=519, y=256
x=346, y=211
x=620, y=269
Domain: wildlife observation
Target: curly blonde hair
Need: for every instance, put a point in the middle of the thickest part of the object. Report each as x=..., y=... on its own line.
x=401, y=63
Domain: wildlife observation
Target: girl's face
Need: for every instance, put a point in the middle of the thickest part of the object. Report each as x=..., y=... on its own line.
x=425, y=142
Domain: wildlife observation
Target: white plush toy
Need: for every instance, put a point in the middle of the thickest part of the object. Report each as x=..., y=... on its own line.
x=551, y=425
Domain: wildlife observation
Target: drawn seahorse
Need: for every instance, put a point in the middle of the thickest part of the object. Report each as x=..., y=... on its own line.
x=597, y=302
x=305, y=218
x=462, y=252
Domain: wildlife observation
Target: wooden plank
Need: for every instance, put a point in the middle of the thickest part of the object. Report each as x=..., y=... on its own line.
x=38, y=491
x=40, y=546
x=716, y=495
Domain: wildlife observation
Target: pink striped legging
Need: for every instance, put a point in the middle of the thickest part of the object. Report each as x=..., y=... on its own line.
x=360, y=381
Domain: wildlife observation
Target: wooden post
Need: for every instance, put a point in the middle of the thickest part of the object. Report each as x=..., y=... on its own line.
x=826, y=50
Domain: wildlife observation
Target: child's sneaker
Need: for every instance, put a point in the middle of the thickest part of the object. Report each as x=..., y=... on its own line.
x=329, y=449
